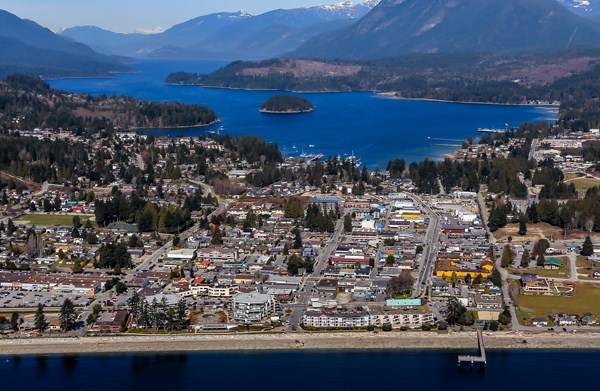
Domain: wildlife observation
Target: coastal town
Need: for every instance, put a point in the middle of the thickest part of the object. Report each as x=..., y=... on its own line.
x=220, y=235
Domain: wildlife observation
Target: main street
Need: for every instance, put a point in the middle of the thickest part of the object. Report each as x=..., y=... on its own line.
x=429, y=250
x=309, y=283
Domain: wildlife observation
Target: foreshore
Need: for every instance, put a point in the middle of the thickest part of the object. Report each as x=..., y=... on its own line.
x=146, y=129
x=305, y=341
x=286, y=112
x=552, y=107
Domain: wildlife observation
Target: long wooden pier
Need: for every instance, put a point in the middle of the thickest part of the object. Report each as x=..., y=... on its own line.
x=481, y=358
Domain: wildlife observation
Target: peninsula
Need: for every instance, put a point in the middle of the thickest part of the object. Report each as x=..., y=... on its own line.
x=286, y=104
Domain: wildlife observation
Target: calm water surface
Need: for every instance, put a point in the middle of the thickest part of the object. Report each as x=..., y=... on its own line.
x=376, y=128
x=333, y=370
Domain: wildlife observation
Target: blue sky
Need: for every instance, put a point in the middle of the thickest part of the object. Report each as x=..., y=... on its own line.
x=130, y=15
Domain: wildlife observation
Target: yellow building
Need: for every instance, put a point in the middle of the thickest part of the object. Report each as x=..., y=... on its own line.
x=412, y=216
x=462, y=273
x=446, y=268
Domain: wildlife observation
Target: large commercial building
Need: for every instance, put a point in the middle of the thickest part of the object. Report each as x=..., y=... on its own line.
x=253, y=307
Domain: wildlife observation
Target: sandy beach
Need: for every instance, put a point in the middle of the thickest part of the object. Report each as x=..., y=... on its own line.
x=331, y=341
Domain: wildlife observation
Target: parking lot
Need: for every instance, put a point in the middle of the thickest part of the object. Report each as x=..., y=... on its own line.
x=11, y=299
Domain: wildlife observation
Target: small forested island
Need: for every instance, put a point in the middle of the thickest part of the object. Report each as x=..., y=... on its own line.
x=286, y=104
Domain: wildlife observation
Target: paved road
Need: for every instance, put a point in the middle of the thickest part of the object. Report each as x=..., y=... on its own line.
x=309, y=283
x=429, y=250
x=534, y=146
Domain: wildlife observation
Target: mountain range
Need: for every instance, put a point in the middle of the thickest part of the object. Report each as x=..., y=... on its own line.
x=227, y=36
x=371, y=30
x=397, y=27
x=27, y=47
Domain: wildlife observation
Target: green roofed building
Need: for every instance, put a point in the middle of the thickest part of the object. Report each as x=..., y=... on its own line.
x=552, y=263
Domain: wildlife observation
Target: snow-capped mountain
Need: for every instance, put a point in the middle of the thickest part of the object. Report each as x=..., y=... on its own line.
x=348, y=9
x=586, y=8
x=229, y=35
x=583, y=5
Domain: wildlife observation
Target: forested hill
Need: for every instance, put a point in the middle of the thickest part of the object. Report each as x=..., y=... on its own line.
x=458, y=77
x=27, y=103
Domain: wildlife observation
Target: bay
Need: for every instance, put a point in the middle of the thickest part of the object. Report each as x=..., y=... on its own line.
x=374, y=128
x=301, y=370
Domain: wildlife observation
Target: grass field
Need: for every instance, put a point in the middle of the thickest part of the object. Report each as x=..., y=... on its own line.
x=586, y=267
x=585, y=299
x=582, y=183
x=53, y=220
x=539, y=231
x=534, y=232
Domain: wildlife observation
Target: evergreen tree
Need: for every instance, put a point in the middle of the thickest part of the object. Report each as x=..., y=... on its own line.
x=588, y=247
x=507, y=256
x=532, y=214
x=389, y=260
x=297, y=239
x=14, y=321
x=539, y=261
x=522, y=225
x=347, y=223
x=11, y=228
x=496, y=278
x=41, y=324
x=456, y=311
x=67, y=315
x=216, y=238
x=294, y=264
x=525, y=258
x=497, y=219
x=180, y=315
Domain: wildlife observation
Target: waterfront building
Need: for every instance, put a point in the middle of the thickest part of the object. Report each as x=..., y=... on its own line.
x=252, y=307
x=397, y=318
x=335, y=319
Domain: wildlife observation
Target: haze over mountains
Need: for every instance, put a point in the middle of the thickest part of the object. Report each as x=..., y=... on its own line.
x=227, y=36
x=26, y=47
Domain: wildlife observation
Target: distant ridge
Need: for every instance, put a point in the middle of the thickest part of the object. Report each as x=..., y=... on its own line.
x=26, y=47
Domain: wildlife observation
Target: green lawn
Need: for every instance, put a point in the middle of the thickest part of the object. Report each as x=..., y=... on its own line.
x=585, y=299
x=525, y=316
x=51, y=220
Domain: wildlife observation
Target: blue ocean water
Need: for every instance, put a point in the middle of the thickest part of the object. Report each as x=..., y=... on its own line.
x=301, y=370
x=377, y=129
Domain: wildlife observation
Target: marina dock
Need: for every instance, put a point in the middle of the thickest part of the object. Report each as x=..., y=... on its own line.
x=481, y=358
